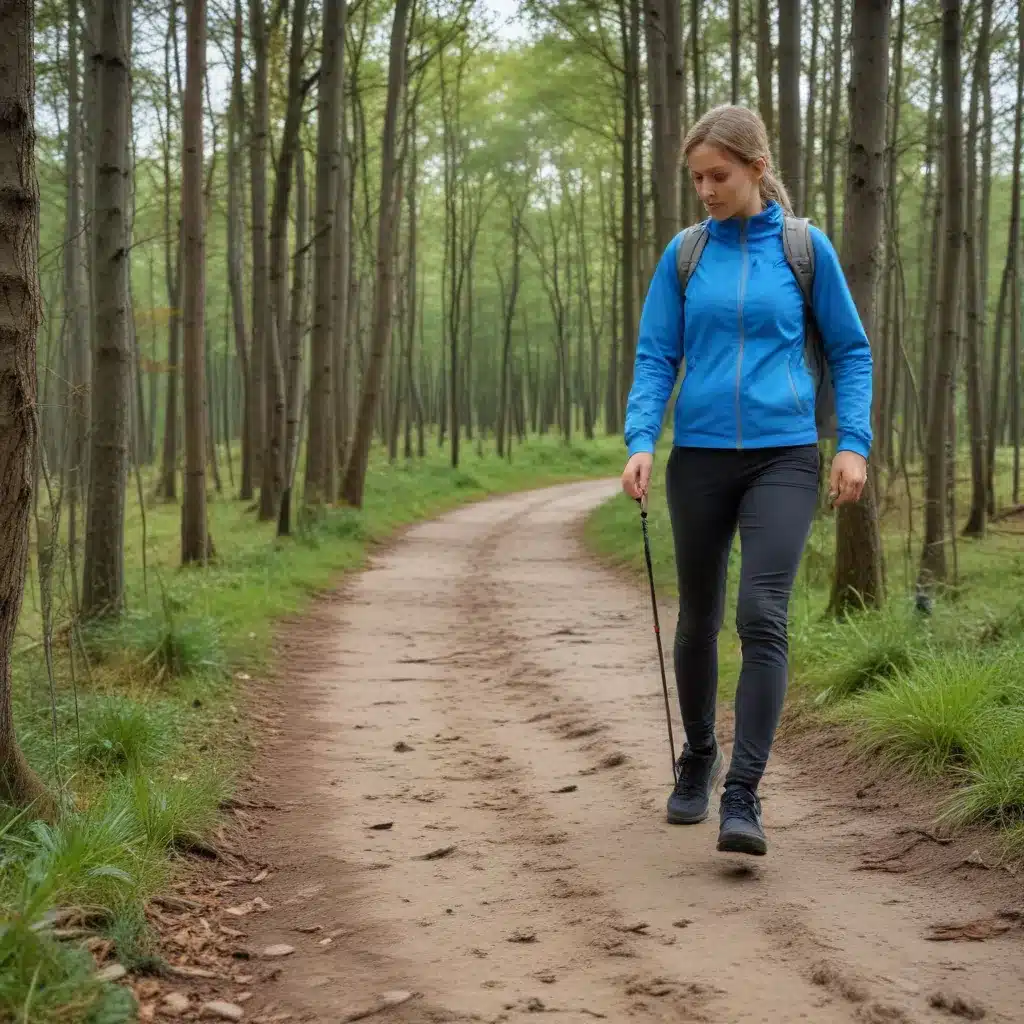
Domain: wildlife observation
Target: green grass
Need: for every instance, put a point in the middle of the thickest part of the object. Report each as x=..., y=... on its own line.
x=933, y=697
x=142, y=741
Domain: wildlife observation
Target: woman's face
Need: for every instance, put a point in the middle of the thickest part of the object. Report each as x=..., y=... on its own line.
x=726, y=186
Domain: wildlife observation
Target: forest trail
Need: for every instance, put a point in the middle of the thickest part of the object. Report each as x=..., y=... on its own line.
x=491, y=692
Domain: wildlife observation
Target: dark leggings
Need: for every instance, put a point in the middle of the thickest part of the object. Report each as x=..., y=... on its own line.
x=770, y=494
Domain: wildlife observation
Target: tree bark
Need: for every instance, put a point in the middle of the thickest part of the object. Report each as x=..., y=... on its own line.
x=318, y=483
x=20, y=319
x=789, y=101
x=859, y=579
x=103, y=580
x=933, y=556
x=235, y=259
x=355, y=472
x=975, y=526
x=258, y=139
x=193, y=509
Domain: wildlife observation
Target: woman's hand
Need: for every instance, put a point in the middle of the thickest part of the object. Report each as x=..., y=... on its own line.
x=847, y=479
x=637, y=475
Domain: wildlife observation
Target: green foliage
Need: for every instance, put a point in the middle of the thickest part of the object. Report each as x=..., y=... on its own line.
x=938, y=697
x=143, y=748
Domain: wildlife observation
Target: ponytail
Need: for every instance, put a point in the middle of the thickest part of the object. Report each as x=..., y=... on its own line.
x=771, y=188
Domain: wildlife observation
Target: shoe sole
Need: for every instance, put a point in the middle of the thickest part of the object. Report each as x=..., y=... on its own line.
x=685, y=819
x=742, y=842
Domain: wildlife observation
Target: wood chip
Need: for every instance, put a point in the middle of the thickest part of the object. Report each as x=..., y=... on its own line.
x=193, y=972
x=441, y=851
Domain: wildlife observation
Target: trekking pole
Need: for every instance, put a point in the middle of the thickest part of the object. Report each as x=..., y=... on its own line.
x=642, y=501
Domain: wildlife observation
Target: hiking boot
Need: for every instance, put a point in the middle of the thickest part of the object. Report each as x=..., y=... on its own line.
x=740, y=830
x=697, y=773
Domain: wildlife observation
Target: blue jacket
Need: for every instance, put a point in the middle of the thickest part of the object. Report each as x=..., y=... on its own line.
x=746, y=383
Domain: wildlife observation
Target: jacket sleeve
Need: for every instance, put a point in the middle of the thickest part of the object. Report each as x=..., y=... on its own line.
x=659, y=352
x=847, y=348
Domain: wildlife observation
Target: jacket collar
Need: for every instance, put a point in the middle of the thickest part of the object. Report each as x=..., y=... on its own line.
x=764, y=224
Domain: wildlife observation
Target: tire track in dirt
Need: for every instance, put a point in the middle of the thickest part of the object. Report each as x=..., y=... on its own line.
x=490, y=697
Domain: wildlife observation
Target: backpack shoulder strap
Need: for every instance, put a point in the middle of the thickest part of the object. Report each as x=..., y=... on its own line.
x=691, y=244
x=796, y=241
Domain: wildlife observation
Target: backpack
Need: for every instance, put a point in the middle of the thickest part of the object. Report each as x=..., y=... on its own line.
x=799, y=249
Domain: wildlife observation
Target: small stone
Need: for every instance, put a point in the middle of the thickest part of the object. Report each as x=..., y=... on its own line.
x=175, y=1003
x=112, y=973
x=279, y=950
x=222, y=1010
x=395, y=997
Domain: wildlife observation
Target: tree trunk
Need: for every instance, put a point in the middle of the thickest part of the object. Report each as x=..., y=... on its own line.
x=859, y=579
x=76, y=305
x=172, y=267
x=319, y=486
x=933, y=555
x=236, y=259
x=764, y=66
x=833, y=120
x=975, y=526
x=355, y=473
x=19, y=322
x=258, y=139
x=630, y=47
x=193, y=509
x=789, y=101
x=103, y=581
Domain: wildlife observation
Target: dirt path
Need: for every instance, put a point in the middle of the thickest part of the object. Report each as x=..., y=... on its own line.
x=494, y=695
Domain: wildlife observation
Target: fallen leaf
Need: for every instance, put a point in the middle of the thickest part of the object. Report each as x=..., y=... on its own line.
x=232, y=933
x=566, y=789
x=522, y=935
x=382, y=826
x=402, y=747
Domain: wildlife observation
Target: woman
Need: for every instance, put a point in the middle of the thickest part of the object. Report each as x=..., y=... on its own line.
x=745, y=449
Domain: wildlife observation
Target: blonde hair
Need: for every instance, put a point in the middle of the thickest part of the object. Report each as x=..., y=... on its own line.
x=740, y=132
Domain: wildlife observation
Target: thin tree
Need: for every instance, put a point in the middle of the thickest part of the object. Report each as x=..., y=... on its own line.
x=193, y=508
x=859, y=579
x=933, y=555
x=22, y=315
x=319, y=457
x=355, y=472
x=103, y=572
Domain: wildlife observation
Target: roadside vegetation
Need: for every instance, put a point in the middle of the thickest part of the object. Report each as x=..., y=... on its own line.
x=138, y=734
x=935, y=696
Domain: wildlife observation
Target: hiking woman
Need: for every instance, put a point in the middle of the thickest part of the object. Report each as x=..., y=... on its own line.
x=745, y=449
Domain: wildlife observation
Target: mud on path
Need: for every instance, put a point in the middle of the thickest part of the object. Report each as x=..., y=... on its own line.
x=470, y=782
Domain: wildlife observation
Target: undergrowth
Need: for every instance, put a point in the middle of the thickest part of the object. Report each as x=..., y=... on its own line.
x=937, y=696
x=139, y=737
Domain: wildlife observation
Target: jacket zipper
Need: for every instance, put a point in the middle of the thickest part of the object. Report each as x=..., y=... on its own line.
x=739, y=314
